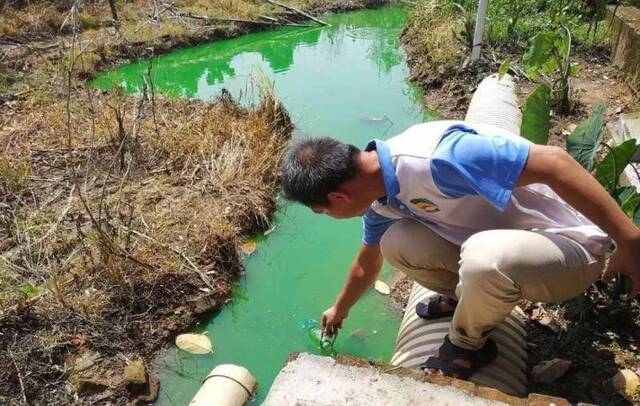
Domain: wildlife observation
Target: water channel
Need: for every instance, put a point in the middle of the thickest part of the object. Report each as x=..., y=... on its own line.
x=348, y=81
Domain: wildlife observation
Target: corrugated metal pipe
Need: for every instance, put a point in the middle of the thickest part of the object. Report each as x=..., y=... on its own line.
x=418, y=339
x=226, y=385
x=494, y=103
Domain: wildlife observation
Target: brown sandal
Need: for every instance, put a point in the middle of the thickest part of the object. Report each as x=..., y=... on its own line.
x=449, y=353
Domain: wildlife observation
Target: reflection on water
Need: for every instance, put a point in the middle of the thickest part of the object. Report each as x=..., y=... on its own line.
x=199, y=72
x=348, y=81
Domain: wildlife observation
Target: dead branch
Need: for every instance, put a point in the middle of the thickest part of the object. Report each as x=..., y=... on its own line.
x=208, y=19
x=309, y=16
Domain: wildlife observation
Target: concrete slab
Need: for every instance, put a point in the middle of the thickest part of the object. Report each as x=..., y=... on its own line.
x=314, y=380
x=624, y=37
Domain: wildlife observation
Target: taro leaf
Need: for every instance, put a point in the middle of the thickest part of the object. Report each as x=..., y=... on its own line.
x=382, y=287
x=539, y=53
x=608, y=170
x=628, y=199
x=583, y=143
x=535, y=119
x=504, y=68
x=194, y=343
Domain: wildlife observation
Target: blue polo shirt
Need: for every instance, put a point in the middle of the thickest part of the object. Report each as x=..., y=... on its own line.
x=464, y=163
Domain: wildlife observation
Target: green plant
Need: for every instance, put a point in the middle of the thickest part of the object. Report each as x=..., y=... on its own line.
x=13, y=175
x=549, y=59
x=535, y=117
x=585, y=144
x=464, y=34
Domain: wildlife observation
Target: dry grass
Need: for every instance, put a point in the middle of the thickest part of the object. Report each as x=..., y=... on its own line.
x=101, y=223
x=429, y=38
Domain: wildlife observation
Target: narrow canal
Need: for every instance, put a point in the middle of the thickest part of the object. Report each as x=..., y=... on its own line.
x=348, y=81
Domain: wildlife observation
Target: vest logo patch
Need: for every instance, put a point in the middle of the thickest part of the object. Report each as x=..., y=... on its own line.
x=425, y=204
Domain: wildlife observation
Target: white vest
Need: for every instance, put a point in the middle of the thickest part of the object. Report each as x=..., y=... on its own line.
x=532, y=207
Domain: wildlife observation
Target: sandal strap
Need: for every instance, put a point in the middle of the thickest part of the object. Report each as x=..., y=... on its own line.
x=433, y=306
x=448, y=353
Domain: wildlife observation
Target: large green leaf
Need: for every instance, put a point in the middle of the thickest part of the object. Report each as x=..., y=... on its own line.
x=538, y=54
x=608, y=170
x=535, y=118
x=583, y=143
x=628, y=199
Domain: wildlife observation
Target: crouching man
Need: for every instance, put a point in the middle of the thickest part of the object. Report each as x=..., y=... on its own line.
x=478, y=215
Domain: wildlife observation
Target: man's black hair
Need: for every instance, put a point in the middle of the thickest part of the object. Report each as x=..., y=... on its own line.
x=315, y=167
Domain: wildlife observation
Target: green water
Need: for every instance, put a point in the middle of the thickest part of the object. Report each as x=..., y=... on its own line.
x=348, y=81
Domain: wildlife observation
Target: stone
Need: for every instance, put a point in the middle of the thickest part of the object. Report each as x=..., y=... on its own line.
x=135, y=373
x=549, y=371
x=151, y=392
x=626, y=383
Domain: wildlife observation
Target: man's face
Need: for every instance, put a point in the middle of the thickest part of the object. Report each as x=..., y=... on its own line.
x=342, y=206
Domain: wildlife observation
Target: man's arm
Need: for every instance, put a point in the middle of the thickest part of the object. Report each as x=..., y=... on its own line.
x=556, y=168
x=364, y=272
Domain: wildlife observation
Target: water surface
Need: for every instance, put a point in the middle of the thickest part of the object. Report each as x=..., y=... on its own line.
x=348, y=81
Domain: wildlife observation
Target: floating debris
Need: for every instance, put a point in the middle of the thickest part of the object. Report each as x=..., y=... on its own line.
x=382, y=287
x=375, y=119
x=194, y=343
x=248, y=247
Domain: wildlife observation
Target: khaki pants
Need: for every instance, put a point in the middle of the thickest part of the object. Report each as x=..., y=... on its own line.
x=491, y=272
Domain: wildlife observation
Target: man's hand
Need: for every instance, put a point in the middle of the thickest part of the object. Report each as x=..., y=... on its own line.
x=332, y=320
x=626, y=260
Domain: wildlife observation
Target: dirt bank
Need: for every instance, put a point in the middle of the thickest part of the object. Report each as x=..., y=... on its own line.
x=121, y=217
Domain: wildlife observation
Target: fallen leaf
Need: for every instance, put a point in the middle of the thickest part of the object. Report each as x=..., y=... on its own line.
x=382, y=287
x=626, y=383
x=194, y=343
x=248, y=247
x=549, y=371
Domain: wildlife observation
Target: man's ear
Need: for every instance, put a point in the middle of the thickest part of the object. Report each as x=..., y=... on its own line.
x=338, y=197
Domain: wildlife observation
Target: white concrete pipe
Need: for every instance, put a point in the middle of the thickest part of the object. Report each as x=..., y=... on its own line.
x=494, y=106
x=226, y=385
x=418, y=339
